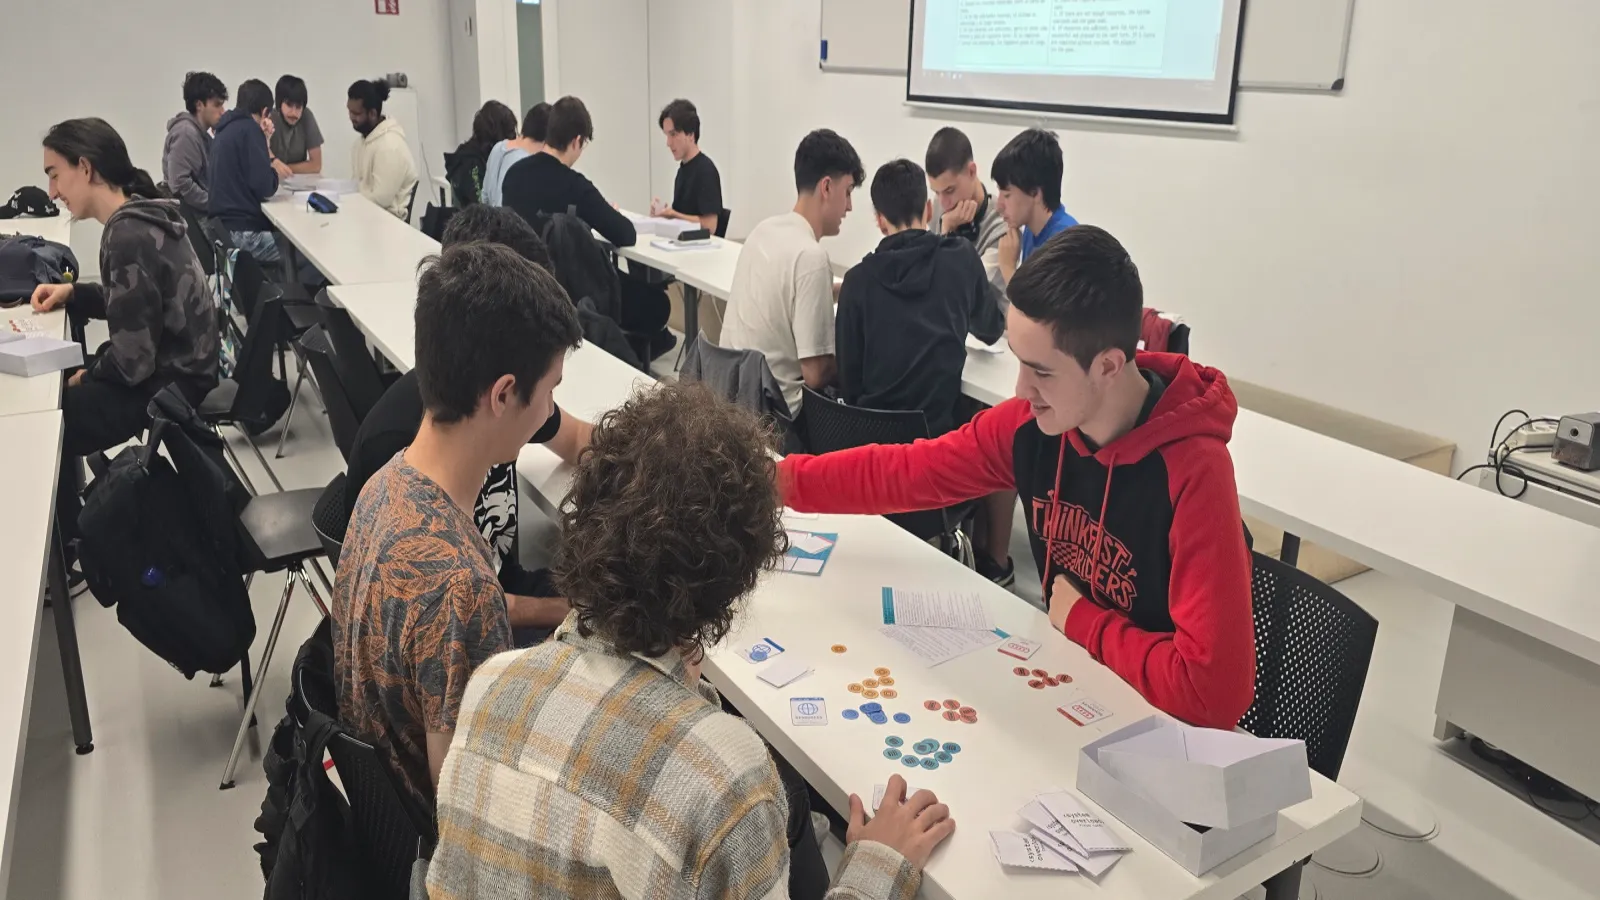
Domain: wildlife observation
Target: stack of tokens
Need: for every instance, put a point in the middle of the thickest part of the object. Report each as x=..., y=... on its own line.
x=953, y=711
x=874, y=713
x=881, y=684
x=930, y=754
x=1039, y=679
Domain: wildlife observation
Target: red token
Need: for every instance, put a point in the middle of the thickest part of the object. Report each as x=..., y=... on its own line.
x=967, y=711
x=970, y=720
x=1064, y=679
x=1036, y=684
x=951, y=715
x=1039, y=673
x=952, y=704
x=1050, y=680
x=931, y=705
x=1021, y=670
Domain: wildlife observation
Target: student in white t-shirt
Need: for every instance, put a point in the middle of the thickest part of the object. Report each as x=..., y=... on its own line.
x=782, y=300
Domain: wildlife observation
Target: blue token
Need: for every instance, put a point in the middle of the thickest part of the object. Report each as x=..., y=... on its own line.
x=929, y=763
x=871, y=707
x=926, y=747
x=952, y=748
x=878, y=719
x=891, y=753
x=894, y=741
x=943, y=756
x=849, y=714
x=902, y=718
x=910, y=762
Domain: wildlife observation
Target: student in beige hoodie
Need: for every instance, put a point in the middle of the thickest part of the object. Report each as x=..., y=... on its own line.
x=381, y=161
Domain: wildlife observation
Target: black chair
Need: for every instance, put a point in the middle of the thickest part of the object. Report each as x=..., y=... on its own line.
x=330, y=517
x=252, y=400
x=317, y=350
x=276, y=535
x=828, y=426
x=1313, y=646
x=411, y=201
x=199, y=240
x=392, y=828
x=722, y=221
x=358, y=371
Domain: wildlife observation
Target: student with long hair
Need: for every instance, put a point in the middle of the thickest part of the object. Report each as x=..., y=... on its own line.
x=467, y=167
x=153, y=295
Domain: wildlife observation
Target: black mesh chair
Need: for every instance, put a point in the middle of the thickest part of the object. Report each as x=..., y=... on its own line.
x=358, y=372
x=829, y=426
x=252, y=400
x=393, y=830
x=722, y=221
x=315, y=347
x=199, y=240
x=1312, y=649
x=330, y=517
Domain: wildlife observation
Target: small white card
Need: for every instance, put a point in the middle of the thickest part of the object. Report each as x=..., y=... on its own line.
x=1084, y=710
x=1095, y=865
x=808, y=711
x=1019, y=647
x=1093, y=835
x=878, y=791
x=760, y=651
x=803, y=564
x=1012, y=849
x=784, y=671
x=808, y=541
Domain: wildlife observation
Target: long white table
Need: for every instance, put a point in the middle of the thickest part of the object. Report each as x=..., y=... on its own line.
x=360, y=243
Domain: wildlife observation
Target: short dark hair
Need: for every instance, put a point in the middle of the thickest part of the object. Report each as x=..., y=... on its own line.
x=900, y=192
x=1084, y=285
x=949, y=151
x=492, y=123
x=484, y=312
x=290, y=89
x=569, y=120
x=1030, y=162
x=498, y=225
x=371, y=93
x=684, y=117
x=255, y=97
x=202, y=87
x=824, y=154
x=536, y=124
x=670, y=520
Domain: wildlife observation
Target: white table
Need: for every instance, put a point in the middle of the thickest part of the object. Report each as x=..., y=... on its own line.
x=360, y=243
x=706, y=268
x=41, y=392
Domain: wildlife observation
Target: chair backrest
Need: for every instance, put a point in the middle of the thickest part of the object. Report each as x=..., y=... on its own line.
x=411, y=201
x=392, y=829
x=249, y=283
x=199, y=240
x=1313, y=646
x=722, y=221
x=357, y=369
x=318, y=352
x=261, y=398
x=831, y=426
x=743, y=378
x=330, y=517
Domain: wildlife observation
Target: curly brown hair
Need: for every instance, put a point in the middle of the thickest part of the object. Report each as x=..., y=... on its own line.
x=671, y=518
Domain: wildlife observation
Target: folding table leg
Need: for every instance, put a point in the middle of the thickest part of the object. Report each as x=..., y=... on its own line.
x=67, y=637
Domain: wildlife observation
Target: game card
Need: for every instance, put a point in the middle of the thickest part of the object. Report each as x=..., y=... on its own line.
x=760, y=651
x=1019, y=647
x=1092, y=834
x=878, y=791
x=1059, y=839
x=1084, y=710
x=784, y=671
x=1012, y=849
x=808, y=711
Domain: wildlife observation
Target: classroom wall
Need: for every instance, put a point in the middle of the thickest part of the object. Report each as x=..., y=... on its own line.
x=125, y=62
x=530, y=55
x=604, y=58
x=1420, y=249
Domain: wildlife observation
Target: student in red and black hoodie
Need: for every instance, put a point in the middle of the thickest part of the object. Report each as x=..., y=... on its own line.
x=1122, y=464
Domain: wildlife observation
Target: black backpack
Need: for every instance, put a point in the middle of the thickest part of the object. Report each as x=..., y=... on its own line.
x=27, y=262
x=159, y=541
x=581, y=264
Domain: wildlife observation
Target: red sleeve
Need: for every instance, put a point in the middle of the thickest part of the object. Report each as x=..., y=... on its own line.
x=1204, y=671
x=970, y=462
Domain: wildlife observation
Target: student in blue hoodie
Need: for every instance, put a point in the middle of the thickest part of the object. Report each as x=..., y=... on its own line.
x=243, y=172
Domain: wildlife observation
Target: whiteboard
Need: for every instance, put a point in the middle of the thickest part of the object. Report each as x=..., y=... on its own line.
x=1288, y=44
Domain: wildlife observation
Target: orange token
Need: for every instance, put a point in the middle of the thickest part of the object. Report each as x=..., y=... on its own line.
x=952, y=704
x=839, y=648
x=869, y=694
x=930, y=705
x=869, y=682
x=888, y=693
x=885, y=681
x=880, y=671
x=853, y=688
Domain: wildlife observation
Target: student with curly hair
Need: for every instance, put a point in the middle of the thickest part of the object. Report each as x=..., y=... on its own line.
x=613, y=769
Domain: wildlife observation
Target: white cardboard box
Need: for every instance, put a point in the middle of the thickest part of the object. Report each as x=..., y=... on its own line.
x=1205, y=776
x=1196, y=848
x=39, y=355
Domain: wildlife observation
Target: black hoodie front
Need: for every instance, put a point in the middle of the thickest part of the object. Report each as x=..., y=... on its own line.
x=904, y=315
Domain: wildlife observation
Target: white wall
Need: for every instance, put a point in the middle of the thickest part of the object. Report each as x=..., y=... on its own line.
x=689, y=59
x=125, y=62
x=1421, y=249
x=604, y=59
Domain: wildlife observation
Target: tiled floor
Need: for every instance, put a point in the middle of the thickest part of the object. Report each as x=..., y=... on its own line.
x=141, y=817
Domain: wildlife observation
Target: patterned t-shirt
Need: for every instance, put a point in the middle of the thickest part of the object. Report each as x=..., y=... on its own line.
x=416, y=608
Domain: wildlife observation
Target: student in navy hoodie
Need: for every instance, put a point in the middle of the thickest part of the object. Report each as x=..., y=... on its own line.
x=243, y=172
x=1121, y=461
x=905, y=310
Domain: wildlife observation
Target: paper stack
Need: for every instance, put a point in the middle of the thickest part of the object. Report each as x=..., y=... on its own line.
x=1201, y=795
x=1063, y=836
x=660, y=226
x=938, y=626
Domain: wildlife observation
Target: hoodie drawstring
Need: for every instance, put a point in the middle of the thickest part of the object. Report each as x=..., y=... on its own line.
x=1055, y=497
x=1099, y=531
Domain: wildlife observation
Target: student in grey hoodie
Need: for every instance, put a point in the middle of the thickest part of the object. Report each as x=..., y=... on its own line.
x=154, y=296
x=188, y=143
